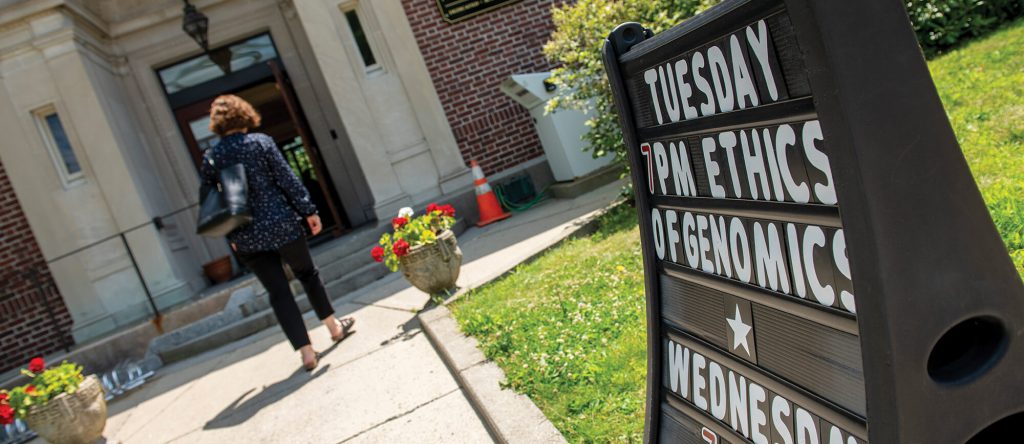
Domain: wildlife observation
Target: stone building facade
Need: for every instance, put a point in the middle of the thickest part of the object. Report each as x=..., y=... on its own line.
x=376, y=104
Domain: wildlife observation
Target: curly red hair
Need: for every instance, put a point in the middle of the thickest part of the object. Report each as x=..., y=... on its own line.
x=230, y=113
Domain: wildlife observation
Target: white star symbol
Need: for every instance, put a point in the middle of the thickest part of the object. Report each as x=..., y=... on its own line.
x=739, y=331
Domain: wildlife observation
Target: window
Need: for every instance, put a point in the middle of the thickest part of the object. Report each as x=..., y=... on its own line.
x=218, y=63
x=360, y=36
x=59, y=145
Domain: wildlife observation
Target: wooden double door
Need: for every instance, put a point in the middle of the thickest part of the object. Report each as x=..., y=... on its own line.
x=283, y=120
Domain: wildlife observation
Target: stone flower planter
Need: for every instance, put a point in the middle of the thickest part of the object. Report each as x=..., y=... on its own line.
x=77, y=418
x=433, y=268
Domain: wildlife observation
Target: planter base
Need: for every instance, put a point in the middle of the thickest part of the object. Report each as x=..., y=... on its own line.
x=433, y=268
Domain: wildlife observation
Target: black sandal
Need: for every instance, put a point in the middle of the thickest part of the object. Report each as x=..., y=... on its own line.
x=316, y=362
x=346, y=329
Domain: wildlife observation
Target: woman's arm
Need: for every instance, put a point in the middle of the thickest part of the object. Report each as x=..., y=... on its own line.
x=285, y=179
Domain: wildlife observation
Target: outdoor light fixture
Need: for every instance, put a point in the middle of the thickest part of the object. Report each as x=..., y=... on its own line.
x=195, y=25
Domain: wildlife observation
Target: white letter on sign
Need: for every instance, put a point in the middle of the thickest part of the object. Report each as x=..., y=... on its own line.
x=706, y=108
x=658, y=232
x=661, y=164
x=716, y=390
x=690, y=241
x=685, y=91
x=843, y=265
x=671, y=217
x=651, y=77
x=721, y=78
x=826, y=192
x=744, y=81
x=738, y=404
x=780, y=415
x=814, y=237
x=709, y=146
x=806, y=427
x=668, y=91
x=720, y=244
x=758, y=419
x=771, y=263
x=738, y=238
x=679, y=369
x=760, y=46
x=705, y=244
x=698, y=382
x=682, y=174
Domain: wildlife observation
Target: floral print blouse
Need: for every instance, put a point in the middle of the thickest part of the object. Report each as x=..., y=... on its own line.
x=278, y=200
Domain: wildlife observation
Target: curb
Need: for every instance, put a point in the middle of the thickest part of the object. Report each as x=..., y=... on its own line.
x=509, y=417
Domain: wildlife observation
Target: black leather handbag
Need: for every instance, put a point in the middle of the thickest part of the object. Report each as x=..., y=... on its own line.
x=225, y=207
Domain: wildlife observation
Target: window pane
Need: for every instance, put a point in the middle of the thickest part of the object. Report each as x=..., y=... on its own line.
x=60, y=139
x=360, y=36
x=202, y=69
x=205, y=138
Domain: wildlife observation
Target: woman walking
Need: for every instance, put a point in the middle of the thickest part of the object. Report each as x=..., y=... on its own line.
x=280, y=206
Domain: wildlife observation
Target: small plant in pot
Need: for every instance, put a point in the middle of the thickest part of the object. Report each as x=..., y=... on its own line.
x=424, y=248
x=59, y=404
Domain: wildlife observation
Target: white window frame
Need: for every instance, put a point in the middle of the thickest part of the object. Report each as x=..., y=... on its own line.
x=369, y=30
x=67, y=178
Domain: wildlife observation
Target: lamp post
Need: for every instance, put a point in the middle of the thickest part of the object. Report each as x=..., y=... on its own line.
x=195, y=24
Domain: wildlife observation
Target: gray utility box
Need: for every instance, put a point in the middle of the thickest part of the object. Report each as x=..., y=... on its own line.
x=559, y=131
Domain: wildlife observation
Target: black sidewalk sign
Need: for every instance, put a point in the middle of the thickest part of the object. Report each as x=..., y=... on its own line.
x=820, y=266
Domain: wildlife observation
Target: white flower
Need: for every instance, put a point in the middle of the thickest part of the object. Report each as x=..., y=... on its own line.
x=405, y=212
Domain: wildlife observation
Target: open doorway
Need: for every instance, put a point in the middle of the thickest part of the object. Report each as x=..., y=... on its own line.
x=251, y=70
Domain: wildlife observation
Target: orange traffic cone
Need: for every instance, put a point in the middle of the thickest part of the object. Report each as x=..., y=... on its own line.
x=490, y=209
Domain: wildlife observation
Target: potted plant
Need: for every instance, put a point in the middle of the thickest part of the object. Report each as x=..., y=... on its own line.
x=218, y=270
x=423, y=247
x=59, y=404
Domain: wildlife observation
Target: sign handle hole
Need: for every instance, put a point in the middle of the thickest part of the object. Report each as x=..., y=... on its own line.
x=999, y=430
x=967, y=350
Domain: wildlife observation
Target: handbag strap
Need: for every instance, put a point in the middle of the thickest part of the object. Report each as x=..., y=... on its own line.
x=216, y=172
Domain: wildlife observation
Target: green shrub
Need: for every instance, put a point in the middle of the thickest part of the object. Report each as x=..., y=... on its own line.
x=941, y=24
x=580, y=30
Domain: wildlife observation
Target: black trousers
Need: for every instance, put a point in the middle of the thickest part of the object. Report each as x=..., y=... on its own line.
x=269, y=269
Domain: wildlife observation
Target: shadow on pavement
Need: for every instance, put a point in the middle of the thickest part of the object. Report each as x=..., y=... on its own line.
x=238, y=412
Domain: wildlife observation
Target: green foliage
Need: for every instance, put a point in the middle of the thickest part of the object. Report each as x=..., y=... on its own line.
x=941, y=24
x=982, y=88
x=569, y=331
x=44, y=386
x=580, y=29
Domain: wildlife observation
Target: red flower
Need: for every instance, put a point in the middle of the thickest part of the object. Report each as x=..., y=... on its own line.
x=36, y=365
x=3, y=398
x=399, y=222
x=401, y=248
x=377, y=253
x=432, y=208
x=6, y=414
x=447, y=210
x=30, y=389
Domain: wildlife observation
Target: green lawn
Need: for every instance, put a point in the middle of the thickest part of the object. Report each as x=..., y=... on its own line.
x=982, y=88
x=569, y=330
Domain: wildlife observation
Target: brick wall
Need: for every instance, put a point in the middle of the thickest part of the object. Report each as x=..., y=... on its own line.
x=468, y=60
x=26, y=329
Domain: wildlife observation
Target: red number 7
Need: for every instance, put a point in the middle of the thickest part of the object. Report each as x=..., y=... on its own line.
x=646, y=150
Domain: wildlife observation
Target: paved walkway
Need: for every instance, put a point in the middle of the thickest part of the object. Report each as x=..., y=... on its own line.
x=386, y=383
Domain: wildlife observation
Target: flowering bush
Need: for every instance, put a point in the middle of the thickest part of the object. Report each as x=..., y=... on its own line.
x=45, y=385
x=411, y=232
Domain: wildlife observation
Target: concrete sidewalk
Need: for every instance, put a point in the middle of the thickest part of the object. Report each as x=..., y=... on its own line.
x=386, y=383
